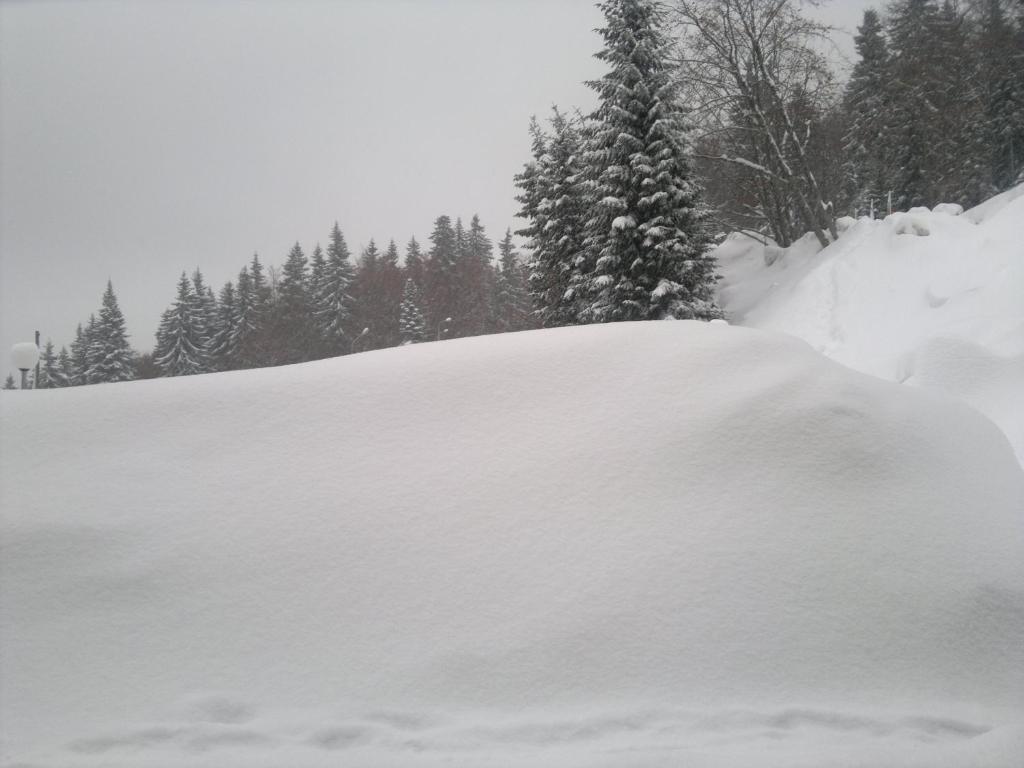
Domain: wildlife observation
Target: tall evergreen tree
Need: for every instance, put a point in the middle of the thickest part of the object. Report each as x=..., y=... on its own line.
x=390, y=284
x=412, y=324
x=49, y=369
x=181, y=347
x=1000, y=54
x=475, y=280
x=247, y=334
x=206, y=303
x=441, y=285
x=647, y=238
x=65, y=368
x=511, y=300
x=9, y=382
x=555, y=205
x=415, y=266
x=334, y=300
x=223, y=346
x=93, y=351
x=867, y=105
x=293, y=336
x=111, y=353
x=915, y=84
x=79, y=357
x=364, y=297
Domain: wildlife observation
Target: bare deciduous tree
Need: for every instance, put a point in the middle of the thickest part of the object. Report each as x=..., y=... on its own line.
x=757, y=77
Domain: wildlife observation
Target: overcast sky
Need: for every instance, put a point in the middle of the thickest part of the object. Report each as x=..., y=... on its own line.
x=138, y=139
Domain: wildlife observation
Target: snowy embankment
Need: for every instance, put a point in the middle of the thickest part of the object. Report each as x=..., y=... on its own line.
x=926, y=298
x=630, y=545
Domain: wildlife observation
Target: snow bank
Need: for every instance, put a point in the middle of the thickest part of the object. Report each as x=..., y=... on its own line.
x=625, y=545
x=902, y=307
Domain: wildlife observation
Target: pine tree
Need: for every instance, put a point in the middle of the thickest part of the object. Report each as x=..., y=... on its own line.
x=511, y=301
x=65, y=370
x=246, y=336
x=93, y=351
x=912, y=28
x=412, y=324
x=334, y=300
x=1001, y=72
x=9, y=382
x=389, y=292
x=555, y=205
x=223, y=345
x=79, y=358
x=415, y=266
x=475, y=280
x=110, y=355
x=292, y=334
x=441, y=286
x=180, y=348
x=647, y=237
x=867, y=105
x=364, y=293
x=207, y=304
x=49, y=370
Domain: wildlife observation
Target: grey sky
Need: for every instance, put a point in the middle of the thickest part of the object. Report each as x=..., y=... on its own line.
x=138, y=139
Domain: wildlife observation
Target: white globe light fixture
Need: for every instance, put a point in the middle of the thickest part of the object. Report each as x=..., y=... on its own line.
x=24, y=356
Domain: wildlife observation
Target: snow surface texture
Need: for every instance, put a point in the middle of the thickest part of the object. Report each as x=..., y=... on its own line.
x=927, y=298
x=632, y=545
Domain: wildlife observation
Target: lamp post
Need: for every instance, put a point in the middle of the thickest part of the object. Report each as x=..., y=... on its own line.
x=24, y=355
x=443, y=327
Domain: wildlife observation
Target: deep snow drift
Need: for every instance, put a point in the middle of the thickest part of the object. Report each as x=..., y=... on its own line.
x=630, y=545
x=925, y=298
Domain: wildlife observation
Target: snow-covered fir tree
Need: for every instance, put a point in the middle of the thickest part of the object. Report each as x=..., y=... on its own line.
x=79, y=357
x=333, y=300
x=415, y=266
x=223, y=347
x=49, y=368
x=475, y=278
x=647, y=242
x=9, y=382
x=512, y=308
x=93, y=351
x=293, y=336
x=245, y=341
x=440, y=279
x=65, y=368
x=207, y=303
x=110, y=355
x=1000, y=51
x=180, y=339
x=554, y=204
x=866, y=103
x=412, y=323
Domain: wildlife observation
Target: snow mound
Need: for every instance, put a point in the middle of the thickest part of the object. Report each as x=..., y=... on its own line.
x=592, y=546
x=886, y=304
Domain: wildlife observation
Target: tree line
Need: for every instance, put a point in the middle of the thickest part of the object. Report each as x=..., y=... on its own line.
x=310, y=308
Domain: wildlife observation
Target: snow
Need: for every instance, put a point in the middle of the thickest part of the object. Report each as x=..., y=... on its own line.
x=944, y=312
x=623, y=222
x=24, y=355
x=627, y=545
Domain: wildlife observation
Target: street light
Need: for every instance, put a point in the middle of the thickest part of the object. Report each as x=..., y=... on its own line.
x=24, y=356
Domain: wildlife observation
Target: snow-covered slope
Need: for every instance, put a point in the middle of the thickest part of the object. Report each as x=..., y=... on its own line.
x=923, y=298
x=630, y=545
